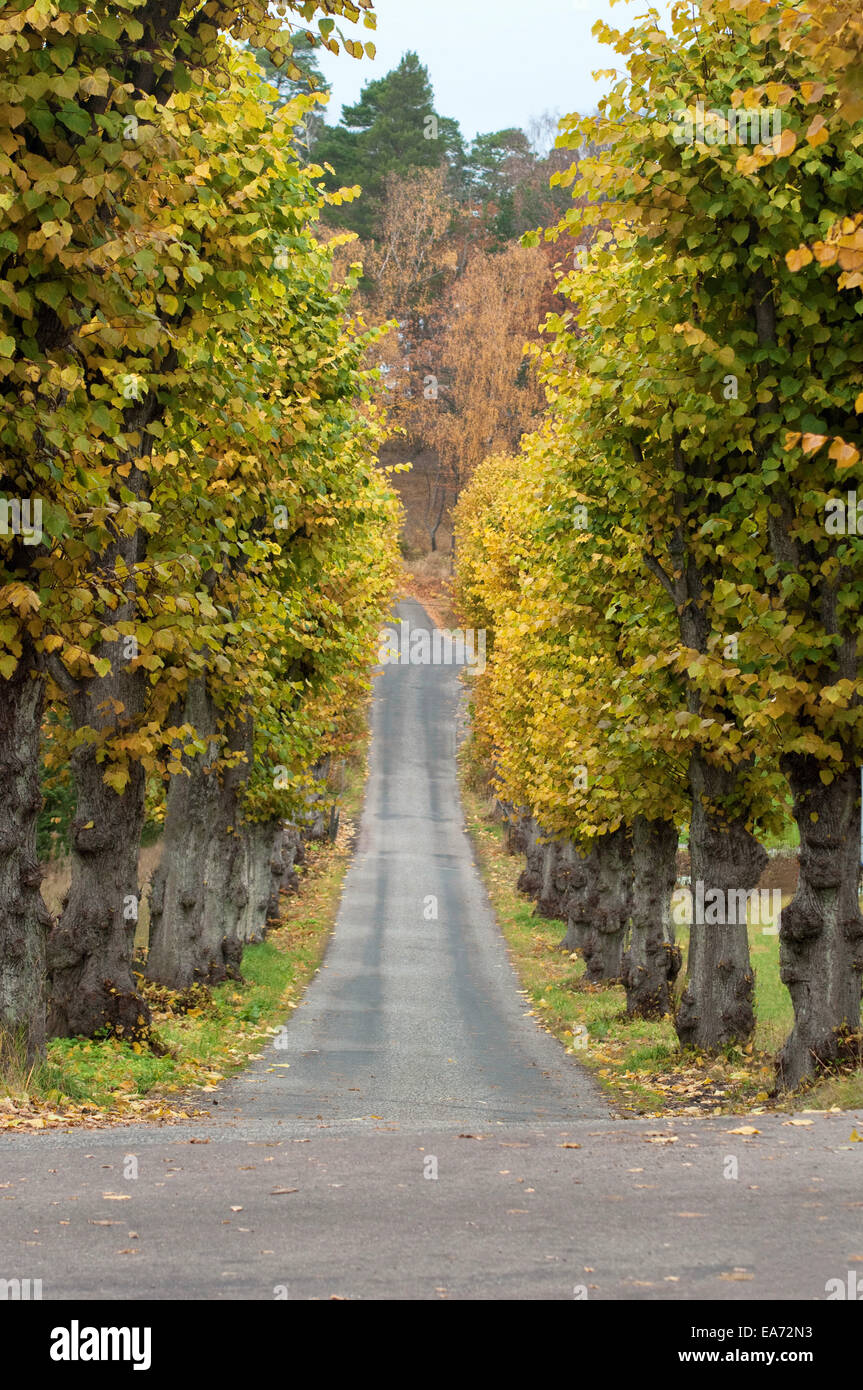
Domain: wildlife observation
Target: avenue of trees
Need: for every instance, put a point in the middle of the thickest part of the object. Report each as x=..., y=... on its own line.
x=197, y=546
x=670, y=570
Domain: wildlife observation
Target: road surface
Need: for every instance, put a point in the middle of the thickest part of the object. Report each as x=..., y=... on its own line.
x=426, y=1140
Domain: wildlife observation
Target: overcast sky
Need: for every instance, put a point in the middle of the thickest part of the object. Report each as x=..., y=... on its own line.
x=492, y=63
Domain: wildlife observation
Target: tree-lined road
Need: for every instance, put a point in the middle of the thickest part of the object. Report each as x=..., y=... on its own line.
x=419, y=1136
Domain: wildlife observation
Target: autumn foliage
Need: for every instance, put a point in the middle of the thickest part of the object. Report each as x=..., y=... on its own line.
x=183, y=403
x=676, y=624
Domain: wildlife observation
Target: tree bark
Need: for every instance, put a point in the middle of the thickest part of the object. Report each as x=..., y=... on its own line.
x=530, y=878
x=287, y=853
x=90, y=949
x=821, y=933
x=652, y=962
x=258, y=869
x=515, y=833
x=580, y=898
x=609, y=905
x=554, y=880
x=195, y=916
x=717, y=1005
x=24, y=920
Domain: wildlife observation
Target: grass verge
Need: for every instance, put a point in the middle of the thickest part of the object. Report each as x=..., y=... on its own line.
x=207, y=1034
x=640, y=1064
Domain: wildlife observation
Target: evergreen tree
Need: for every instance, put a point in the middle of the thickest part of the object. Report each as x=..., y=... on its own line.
x=392, y=129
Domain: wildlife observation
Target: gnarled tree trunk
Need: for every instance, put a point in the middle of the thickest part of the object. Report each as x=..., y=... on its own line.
x=821, y=933
x=515, y=832
x=287, y=853
x=652, y=961
x=583, y=871
x=90, y=949
x=24, y=919
x=533, y=840
x=194, y=921
x=608, y=907
x=717, y=1004
x=258, y=868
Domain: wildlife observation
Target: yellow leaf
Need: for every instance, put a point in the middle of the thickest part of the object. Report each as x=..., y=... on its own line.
x=795, y=260
x=787, y=142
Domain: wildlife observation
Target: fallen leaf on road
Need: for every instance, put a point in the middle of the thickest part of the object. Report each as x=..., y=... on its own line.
x=855, y=1137
x=662, y=1138
x=470, y=1136
x=116, y=1197
x=690, y=1213
x=569, y=1146
x=744, y=1129
x=736, y=1274
x=797, y=1122
x=236, y=1208
x=281, y=1191
x=199, y=1141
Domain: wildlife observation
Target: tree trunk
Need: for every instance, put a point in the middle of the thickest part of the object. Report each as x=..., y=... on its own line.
x=552, y=881
x=24, y=919
x=194, y=922
x=717, y=1004
x=530, y=878
x=821, y=933
x=652, y=962
x=91, y=947
x=258, y=868
x=515, y=832
x=580, y=898
x=287, y=853
x=608, y=908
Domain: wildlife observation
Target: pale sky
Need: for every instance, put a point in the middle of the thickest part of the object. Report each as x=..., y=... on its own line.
x=492, y=63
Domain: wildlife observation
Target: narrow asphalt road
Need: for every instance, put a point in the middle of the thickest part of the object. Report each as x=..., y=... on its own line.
x=420, y=1137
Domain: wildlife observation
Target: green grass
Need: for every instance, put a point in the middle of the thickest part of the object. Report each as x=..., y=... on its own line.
x=640, y=1063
